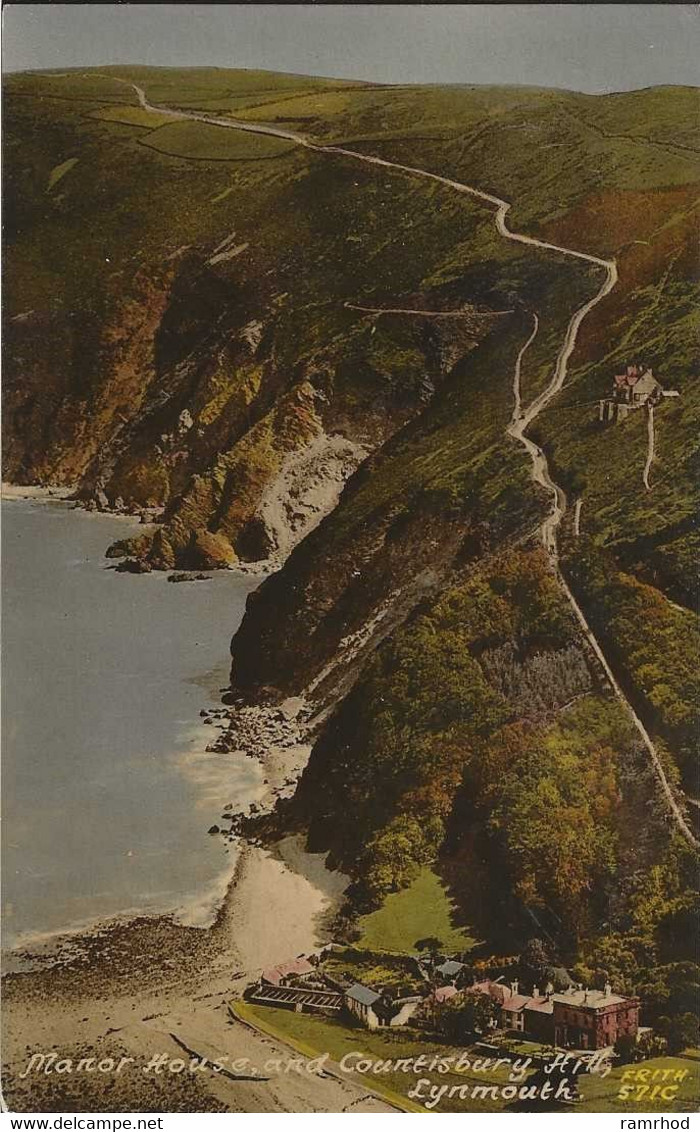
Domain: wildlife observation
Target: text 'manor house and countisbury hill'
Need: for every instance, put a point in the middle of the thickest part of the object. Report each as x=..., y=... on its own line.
x=423, y=359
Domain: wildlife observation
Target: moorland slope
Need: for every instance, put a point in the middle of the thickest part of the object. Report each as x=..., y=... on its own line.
x=196, y=331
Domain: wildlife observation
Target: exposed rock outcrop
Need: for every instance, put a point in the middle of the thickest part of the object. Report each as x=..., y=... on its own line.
x=209, y=551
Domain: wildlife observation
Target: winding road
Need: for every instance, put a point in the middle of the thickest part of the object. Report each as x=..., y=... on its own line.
x=521, y=419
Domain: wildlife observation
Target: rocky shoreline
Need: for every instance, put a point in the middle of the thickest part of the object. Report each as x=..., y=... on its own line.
x=274, y=736
x=132, y=951
x=142, y=981
x=279, y=738
x=137, y=975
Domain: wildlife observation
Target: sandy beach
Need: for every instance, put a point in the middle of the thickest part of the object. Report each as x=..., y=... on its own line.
x=119, y=991
x=150, y=988
x=34, y=491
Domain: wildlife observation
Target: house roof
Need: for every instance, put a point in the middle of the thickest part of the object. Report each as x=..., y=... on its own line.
x=450, y=967
x=298, y=966
x=442, y=994
x=515, y=1003
x=484, y=986
x=633, y=375
x=540, y=1005
x=595, y=999
x=497, y=991
x=647, y=383
x=361, y=994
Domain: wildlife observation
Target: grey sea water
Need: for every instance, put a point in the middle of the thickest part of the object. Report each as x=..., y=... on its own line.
x=107, y=790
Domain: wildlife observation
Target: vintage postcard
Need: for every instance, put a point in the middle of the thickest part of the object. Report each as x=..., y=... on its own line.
x=350, y=561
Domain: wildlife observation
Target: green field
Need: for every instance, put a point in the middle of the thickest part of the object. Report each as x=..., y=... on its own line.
x=312, y=1035
x=200, y=142
x=607, y=1094
x=423, y=909
x=132, y=116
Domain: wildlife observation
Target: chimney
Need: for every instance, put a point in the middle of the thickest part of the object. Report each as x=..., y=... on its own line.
x=535, y=992
x=608, y=990
x=514, y=987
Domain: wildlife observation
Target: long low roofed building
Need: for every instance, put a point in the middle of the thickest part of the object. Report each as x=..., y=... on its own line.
x=295, y=970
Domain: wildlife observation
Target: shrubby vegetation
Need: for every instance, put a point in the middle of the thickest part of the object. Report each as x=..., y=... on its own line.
x=654, y=646
x=547, y=817
x=393, y=973
x=466, y=1018
x=540, y=684
x=427, y=753
x=549, y=797
x=650, y=946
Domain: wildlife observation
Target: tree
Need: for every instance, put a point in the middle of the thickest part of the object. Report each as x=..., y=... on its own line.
x=432, y=945
x=394, y=856
x=479, y=1012
x=448, y=1020
x=534, y=959
x=560, y=978
x=676, y=926
x=625, y=1048
x=683, y=1030
x=582, y=974
x=463, y=1017
x=651, y=1045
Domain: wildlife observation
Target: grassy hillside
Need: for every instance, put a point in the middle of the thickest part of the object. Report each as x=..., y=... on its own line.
x=181, y=340
x=418, y=912
x=219, y=269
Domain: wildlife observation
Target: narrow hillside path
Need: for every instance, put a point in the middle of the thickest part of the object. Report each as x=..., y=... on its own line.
x=423, y=313
x=577, y=517
x=522, y=419
x=517, y=400
x=549, y=531
x=650, y=447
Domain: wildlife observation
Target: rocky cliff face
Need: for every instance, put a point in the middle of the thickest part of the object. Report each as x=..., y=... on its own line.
x=196, y=360
x=444, y=492
x=195, y=332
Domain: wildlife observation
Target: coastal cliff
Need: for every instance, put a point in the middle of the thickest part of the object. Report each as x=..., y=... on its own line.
x=298, y=359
